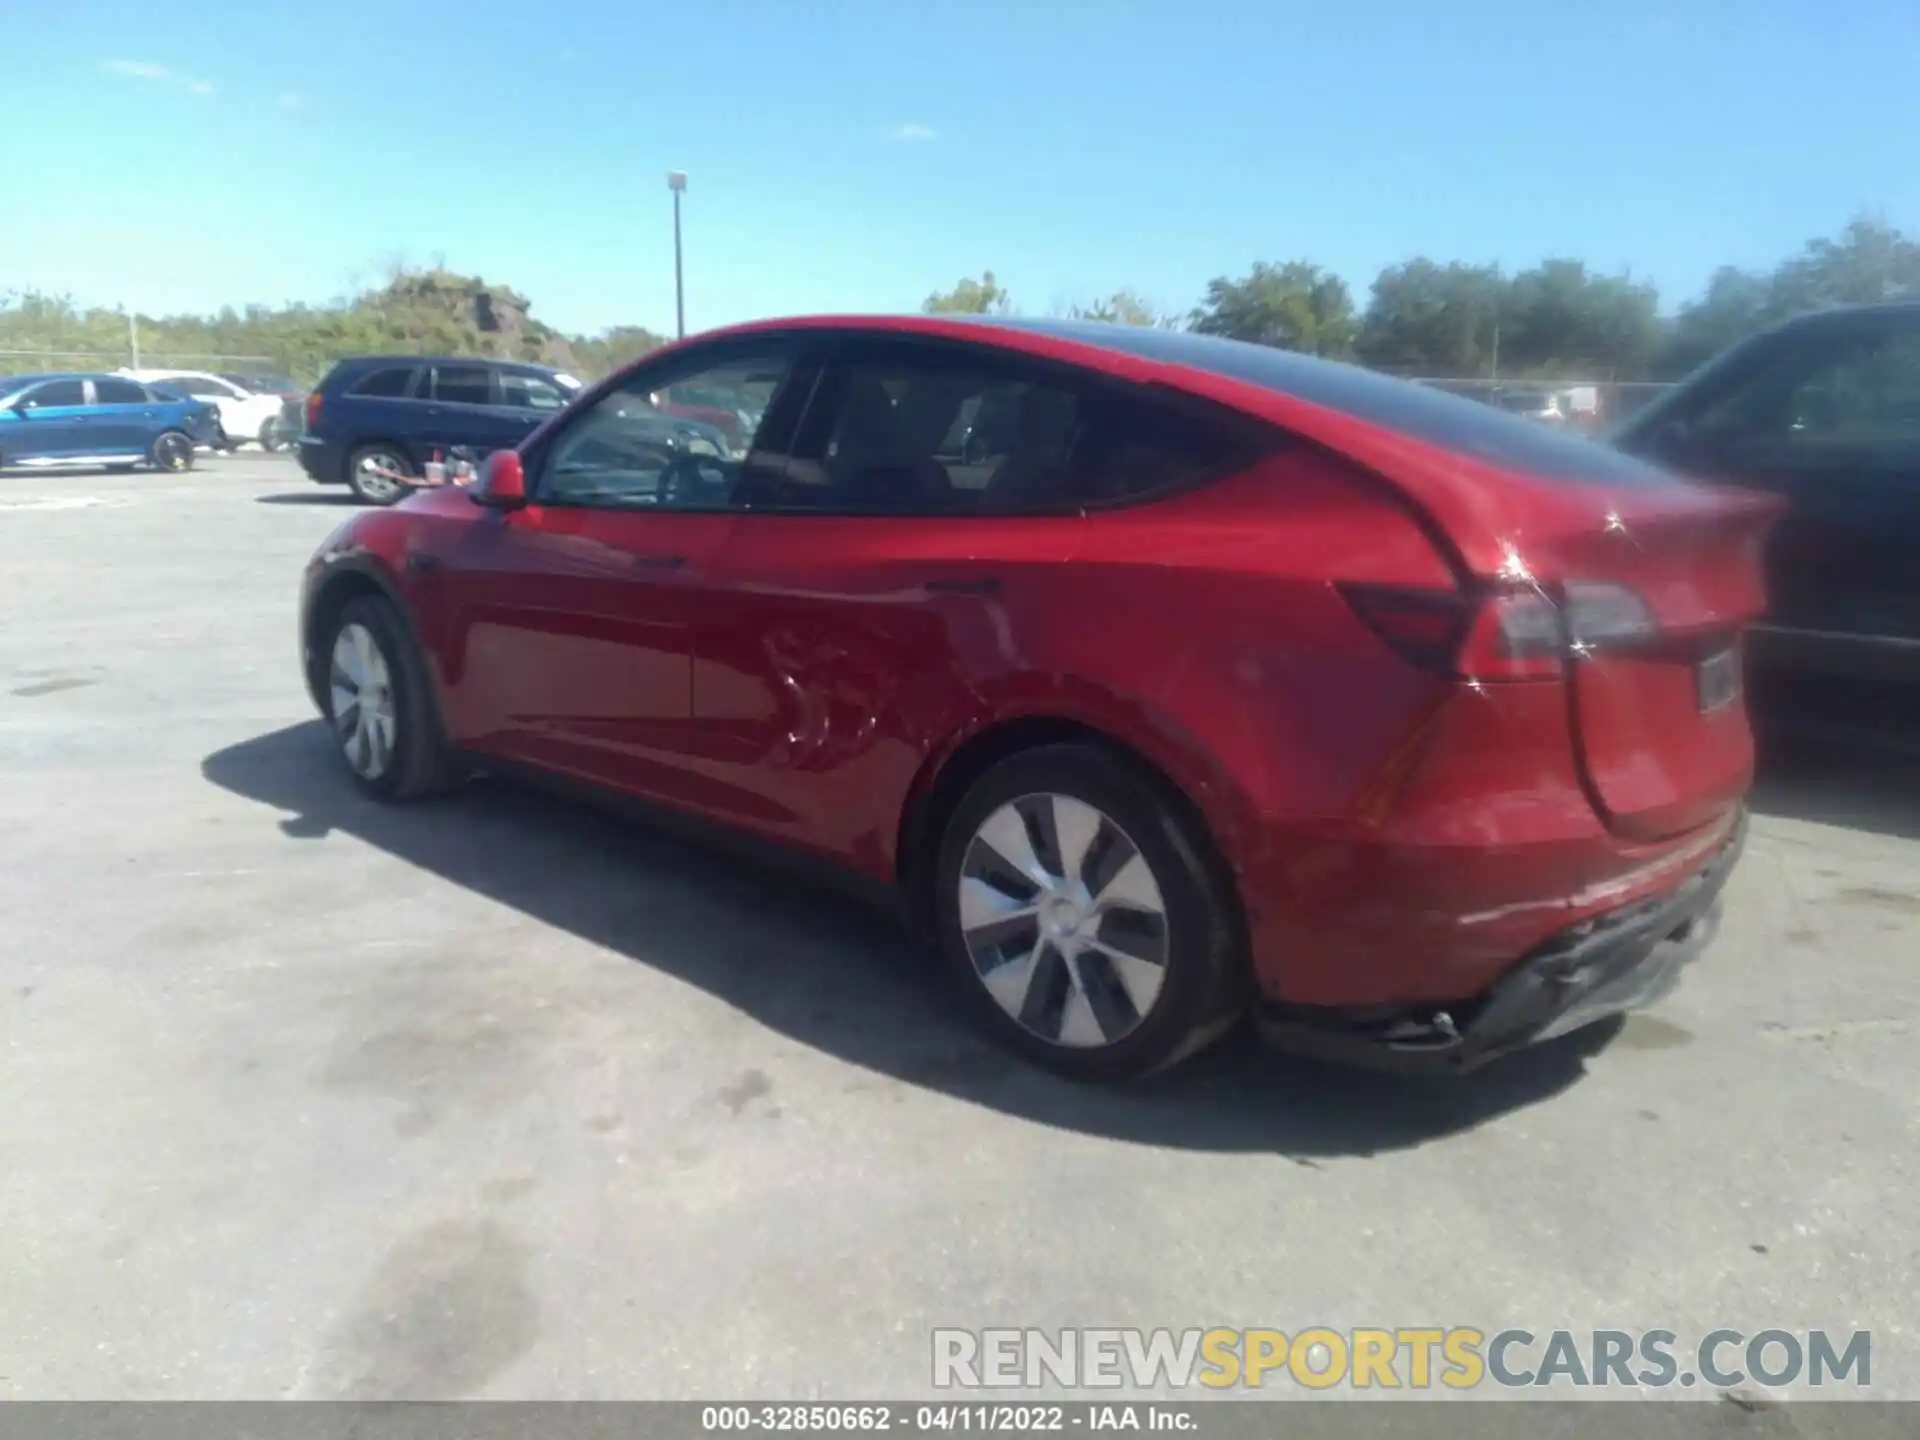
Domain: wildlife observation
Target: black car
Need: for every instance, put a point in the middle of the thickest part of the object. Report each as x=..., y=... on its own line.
x=376, y=421
x=1823, y=411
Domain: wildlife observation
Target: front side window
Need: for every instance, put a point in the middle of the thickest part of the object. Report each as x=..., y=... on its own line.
x=55, y=394
x=635, y=447
x=530, y=392
x=462, y=385
x=119, y=392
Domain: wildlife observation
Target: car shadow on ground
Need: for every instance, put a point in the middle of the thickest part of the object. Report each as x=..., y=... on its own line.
x=309, y=497
x=844, y=978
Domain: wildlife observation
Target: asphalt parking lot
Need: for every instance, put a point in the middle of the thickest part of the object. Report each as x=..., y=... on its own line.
x=305, y=1097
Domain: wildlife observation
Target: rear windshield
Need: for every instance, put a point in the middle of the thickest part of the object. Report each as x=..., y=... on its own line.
x=1420, y=412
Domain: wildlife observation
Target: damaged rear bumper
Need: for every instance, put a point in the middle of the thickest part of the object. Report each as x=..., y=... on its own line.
x=1624, y=960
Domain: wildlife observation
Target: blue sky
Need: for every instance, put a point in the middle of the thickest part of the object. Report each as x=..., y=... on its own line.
x=854, y=155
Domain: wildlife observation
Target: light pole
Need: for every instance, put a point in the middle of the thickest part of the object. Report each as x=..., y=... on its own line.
x=677, y=183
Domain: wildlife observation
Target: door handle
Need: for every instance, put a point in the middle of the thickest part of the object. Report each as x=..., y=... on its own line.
x=659, y=562
x=962, y=587
x=418, y=561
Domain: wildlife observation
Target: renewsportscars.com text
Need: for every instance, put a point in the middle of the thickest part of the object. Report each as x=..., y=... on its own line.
x=1458, y=1358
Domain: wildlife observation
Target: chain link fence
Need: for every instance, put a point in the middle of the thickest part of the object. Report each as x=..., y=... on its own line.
x=29, y=362
x=1585, y=404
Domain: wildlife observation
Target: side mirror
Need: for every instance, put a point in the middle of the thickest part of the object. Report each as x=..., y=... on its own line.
x=503, y=482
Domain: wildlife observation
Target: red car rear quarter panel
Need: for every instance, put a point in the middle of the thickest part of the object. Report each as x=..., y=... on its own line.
x=1218, y=611
x=1397, y=836
x=1220, y=619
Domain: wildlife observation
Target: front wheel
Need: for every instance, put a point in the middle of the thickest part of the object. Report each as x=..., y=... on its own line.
x=380, y=705
x=172, y=452
x=1081, y=918
x=378, y=474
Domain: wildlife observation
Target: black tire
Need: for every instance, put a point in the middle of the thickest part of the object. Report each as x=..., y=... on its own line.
x=1203, y=987
x=419, y=762
x=392, y=458
x=271, y=440
x=172, y=451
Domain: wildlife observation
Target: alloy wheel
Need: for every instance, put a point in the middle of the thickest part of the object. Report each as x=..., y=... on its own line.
x=173, y=452
x=365, y=717
x=1064, y=920
x=377, y=476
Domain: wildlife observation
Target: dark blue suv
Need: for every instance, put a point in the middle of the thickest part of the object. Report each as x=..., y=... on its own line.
x=376, y=421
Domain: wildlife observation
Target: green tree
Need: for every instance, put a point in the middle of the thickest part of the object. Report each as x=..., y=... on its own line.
x=1296, y=306
x=1429, y=319
x=1735, y=304
x=611, y=349
x=970, y=297
x=1124, y=307
x=1870, y=262
x=1561, y=319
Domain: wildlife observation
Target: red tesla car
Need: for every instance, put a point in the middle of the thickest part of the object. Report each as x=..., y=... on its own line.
x=1164, y=677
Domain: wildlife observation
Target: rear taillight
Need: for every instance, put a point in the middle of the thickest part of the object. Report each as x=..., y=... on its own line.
x=313, y=410
x=1425, y=626
x=1516, y=633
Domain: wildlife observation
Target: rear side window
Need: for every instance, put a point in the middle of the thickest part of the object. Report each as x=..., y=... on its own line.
x=462, y=385
x=119, y=392
x=1420, y=412
x=1145, y=447
x=1451, y=422
x=390, y=383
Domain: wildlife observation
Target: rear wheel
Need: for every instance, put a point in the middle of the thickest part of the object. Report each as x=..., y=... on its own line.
x=380, y=704
x=270, y=436
x=379, y=474
x=172, y=451
x=1080, y=918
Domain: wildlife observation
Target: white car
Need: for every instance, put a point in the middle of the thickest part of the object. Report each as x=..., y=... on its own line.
x=245, y=416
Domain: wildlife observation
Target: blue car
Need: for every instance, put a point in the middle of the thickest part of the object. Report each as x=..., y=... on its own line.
x=51, y=421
